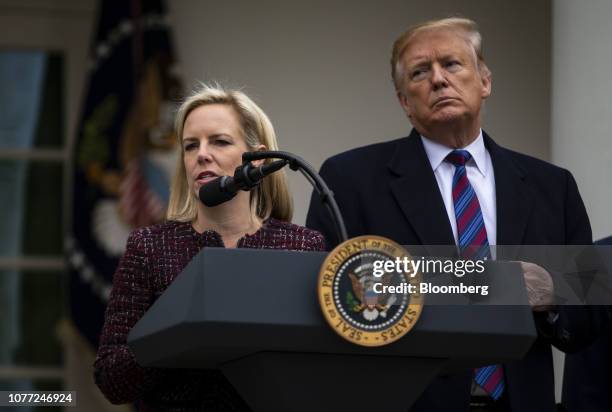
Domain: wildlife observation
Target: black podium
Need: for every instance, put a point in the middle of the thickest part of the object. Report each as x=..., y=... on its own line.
x=254, y=315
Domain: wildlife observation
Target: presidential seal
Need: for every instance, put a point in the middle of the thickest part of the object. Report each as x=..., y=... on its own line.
x=362, y=303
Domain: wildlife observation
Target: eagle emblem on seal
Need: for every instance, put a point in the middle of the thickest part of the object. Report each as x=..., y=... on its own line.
x=368, y=302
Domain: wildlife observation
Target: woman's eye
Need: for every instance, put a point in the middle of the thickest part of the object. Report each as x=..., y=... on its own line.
x=222, y=142
x=190, y=146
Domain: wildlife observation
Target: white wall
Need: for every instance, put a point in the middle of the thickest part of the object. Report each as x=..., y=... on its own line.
x=581, y=112
x=320, y=68
x=582, y=102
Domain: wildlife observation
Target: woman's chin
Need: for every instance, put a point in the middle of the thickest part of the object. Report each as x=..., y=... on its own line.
x=196, y=191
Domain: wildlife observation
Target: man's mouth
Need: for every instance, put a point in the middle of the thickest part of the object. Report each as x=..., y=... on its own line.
x=442, y=100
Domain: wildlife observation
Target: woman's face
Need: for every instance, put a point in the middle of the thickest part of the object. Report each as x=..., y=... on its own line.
x=213, y=144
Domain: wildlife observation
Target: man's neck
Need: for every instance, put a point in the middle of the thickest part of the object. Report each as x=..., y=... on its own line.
x=456, y=138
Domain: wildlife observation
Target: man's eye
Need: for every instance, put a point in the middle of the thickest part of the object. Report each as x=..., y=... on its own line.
x=453, y=64
x=418, y=74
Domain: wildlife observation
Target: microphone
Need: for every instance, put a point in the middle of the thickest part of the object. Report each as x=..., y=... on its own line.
x=246, y=177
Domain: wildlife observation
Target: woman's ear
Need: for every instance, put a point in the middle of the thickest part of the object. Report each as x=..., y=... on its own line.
x=259, y=148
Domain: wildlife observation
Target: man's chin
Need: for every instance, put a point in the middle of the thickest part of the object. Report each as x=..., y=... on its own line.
x=448, y=122
x=448, y=114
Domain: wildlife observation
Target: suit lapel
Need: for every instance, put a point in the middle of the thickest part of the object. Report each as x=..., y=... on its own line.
x=513, y=196
x=417, y=194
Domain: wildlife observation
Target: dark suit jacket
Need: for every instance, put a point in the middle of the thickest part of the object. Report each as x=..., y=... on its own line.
x=587, y=377
x=389, y=189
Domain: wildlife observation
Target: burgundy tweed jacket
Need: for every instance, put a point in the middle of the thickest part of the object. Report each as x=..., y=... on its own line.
x=153, y=258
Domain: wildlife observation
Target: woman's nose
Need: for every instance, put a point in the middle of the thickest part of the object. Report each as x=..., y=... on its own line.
x=204, y=154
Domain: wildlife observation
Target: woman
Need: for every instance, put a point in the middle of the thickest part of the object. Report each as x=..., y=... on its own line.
x=214, y=127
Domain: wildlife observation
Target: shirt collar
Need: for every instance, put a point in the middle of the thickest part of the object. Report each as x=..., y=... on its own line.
x=436, y=152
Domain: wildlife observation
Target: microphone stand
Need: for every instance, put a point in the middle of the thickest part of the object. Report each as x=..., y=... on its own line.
x=296, y=163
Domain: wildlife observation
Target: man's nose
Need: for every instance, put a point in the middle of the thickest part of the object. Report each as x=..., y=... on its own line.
x=438, y=77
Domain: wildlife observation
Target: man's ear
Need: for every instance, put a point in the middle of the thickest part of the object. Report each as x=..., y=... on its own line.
x=404, y=103
x=485, y=77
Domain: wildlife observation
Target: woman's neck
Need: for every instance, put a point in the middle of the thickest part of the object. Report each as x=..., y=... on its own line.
x=232, y=220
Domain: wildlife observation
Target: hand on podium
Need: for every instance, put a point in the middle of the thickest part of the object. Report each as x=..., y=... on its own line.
x=540, y=288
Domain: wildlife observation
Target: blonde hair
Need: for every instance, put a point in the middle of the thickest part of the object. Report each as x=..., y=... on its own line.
x=271, y=198
x=467, y=27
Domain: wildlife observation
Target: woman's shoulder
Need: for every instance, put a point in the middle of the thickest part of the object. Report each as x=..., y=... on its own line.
x=167, y=229
x=276, y=224
x=295, y=237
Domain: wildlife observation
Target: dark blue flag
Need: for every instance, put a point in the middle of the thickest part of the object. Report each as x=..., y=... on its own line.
x=125, y=149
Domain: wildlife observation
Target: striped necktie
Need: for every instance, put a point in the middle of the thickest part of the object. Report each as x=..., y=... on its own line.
x=473, y=244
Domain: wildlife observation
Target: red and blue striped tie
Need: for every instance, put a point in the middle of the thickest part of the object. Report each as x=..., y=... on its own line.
x=473, y=244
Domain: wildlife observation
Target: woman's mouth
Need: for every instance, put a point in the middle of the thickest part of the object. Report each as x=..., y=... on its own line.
x=205, y=177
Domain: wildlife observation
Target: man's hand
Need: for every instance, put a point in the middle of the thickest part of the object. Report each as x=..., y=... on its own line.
x=540, y=289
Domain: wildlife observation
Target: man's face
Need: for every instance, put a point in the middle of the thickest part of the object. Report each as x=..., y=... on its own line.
x=443, y=88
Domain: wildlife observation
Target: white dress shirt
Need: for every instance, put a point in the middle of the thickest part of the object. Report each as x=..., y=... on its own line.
x=480, y=174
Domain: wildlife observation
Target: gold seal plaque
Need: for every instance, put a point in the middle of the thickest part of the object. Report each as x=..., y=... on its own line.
x=363, y=300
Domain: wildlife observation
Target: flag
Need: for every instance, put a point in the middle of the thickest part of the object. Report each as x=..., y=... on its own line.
x=125, y=149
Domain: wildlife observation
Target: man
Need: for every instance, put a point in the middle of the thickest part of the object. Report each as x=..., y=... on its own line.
x=415, y=190
x=587, y=376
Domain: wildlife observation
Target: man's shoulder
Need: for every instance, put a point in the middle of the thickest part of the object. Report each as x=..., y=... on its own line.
x=528, y=165
x=364, y=155
x=533, y=165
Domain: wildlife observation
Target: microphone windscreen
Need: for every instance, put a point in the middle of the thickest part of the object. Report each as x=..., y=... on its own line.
x=212, y=193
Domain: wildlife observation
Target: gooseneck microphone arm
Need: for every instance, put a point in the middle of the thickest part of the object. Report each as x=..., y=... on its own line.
x=247, y=176
x=296, y=163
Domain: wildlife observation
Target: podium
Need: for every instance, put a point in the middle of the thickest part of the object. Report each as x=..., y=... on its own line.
x=254, y=314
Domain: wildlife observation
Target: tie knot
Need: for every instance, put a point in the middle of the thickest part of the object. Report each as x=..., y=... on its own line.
x=458, y=157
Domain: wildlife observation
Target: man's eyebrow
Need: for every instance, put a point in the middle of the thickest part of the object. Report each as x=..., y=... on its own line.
x=450, y=56
x=419, y=61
